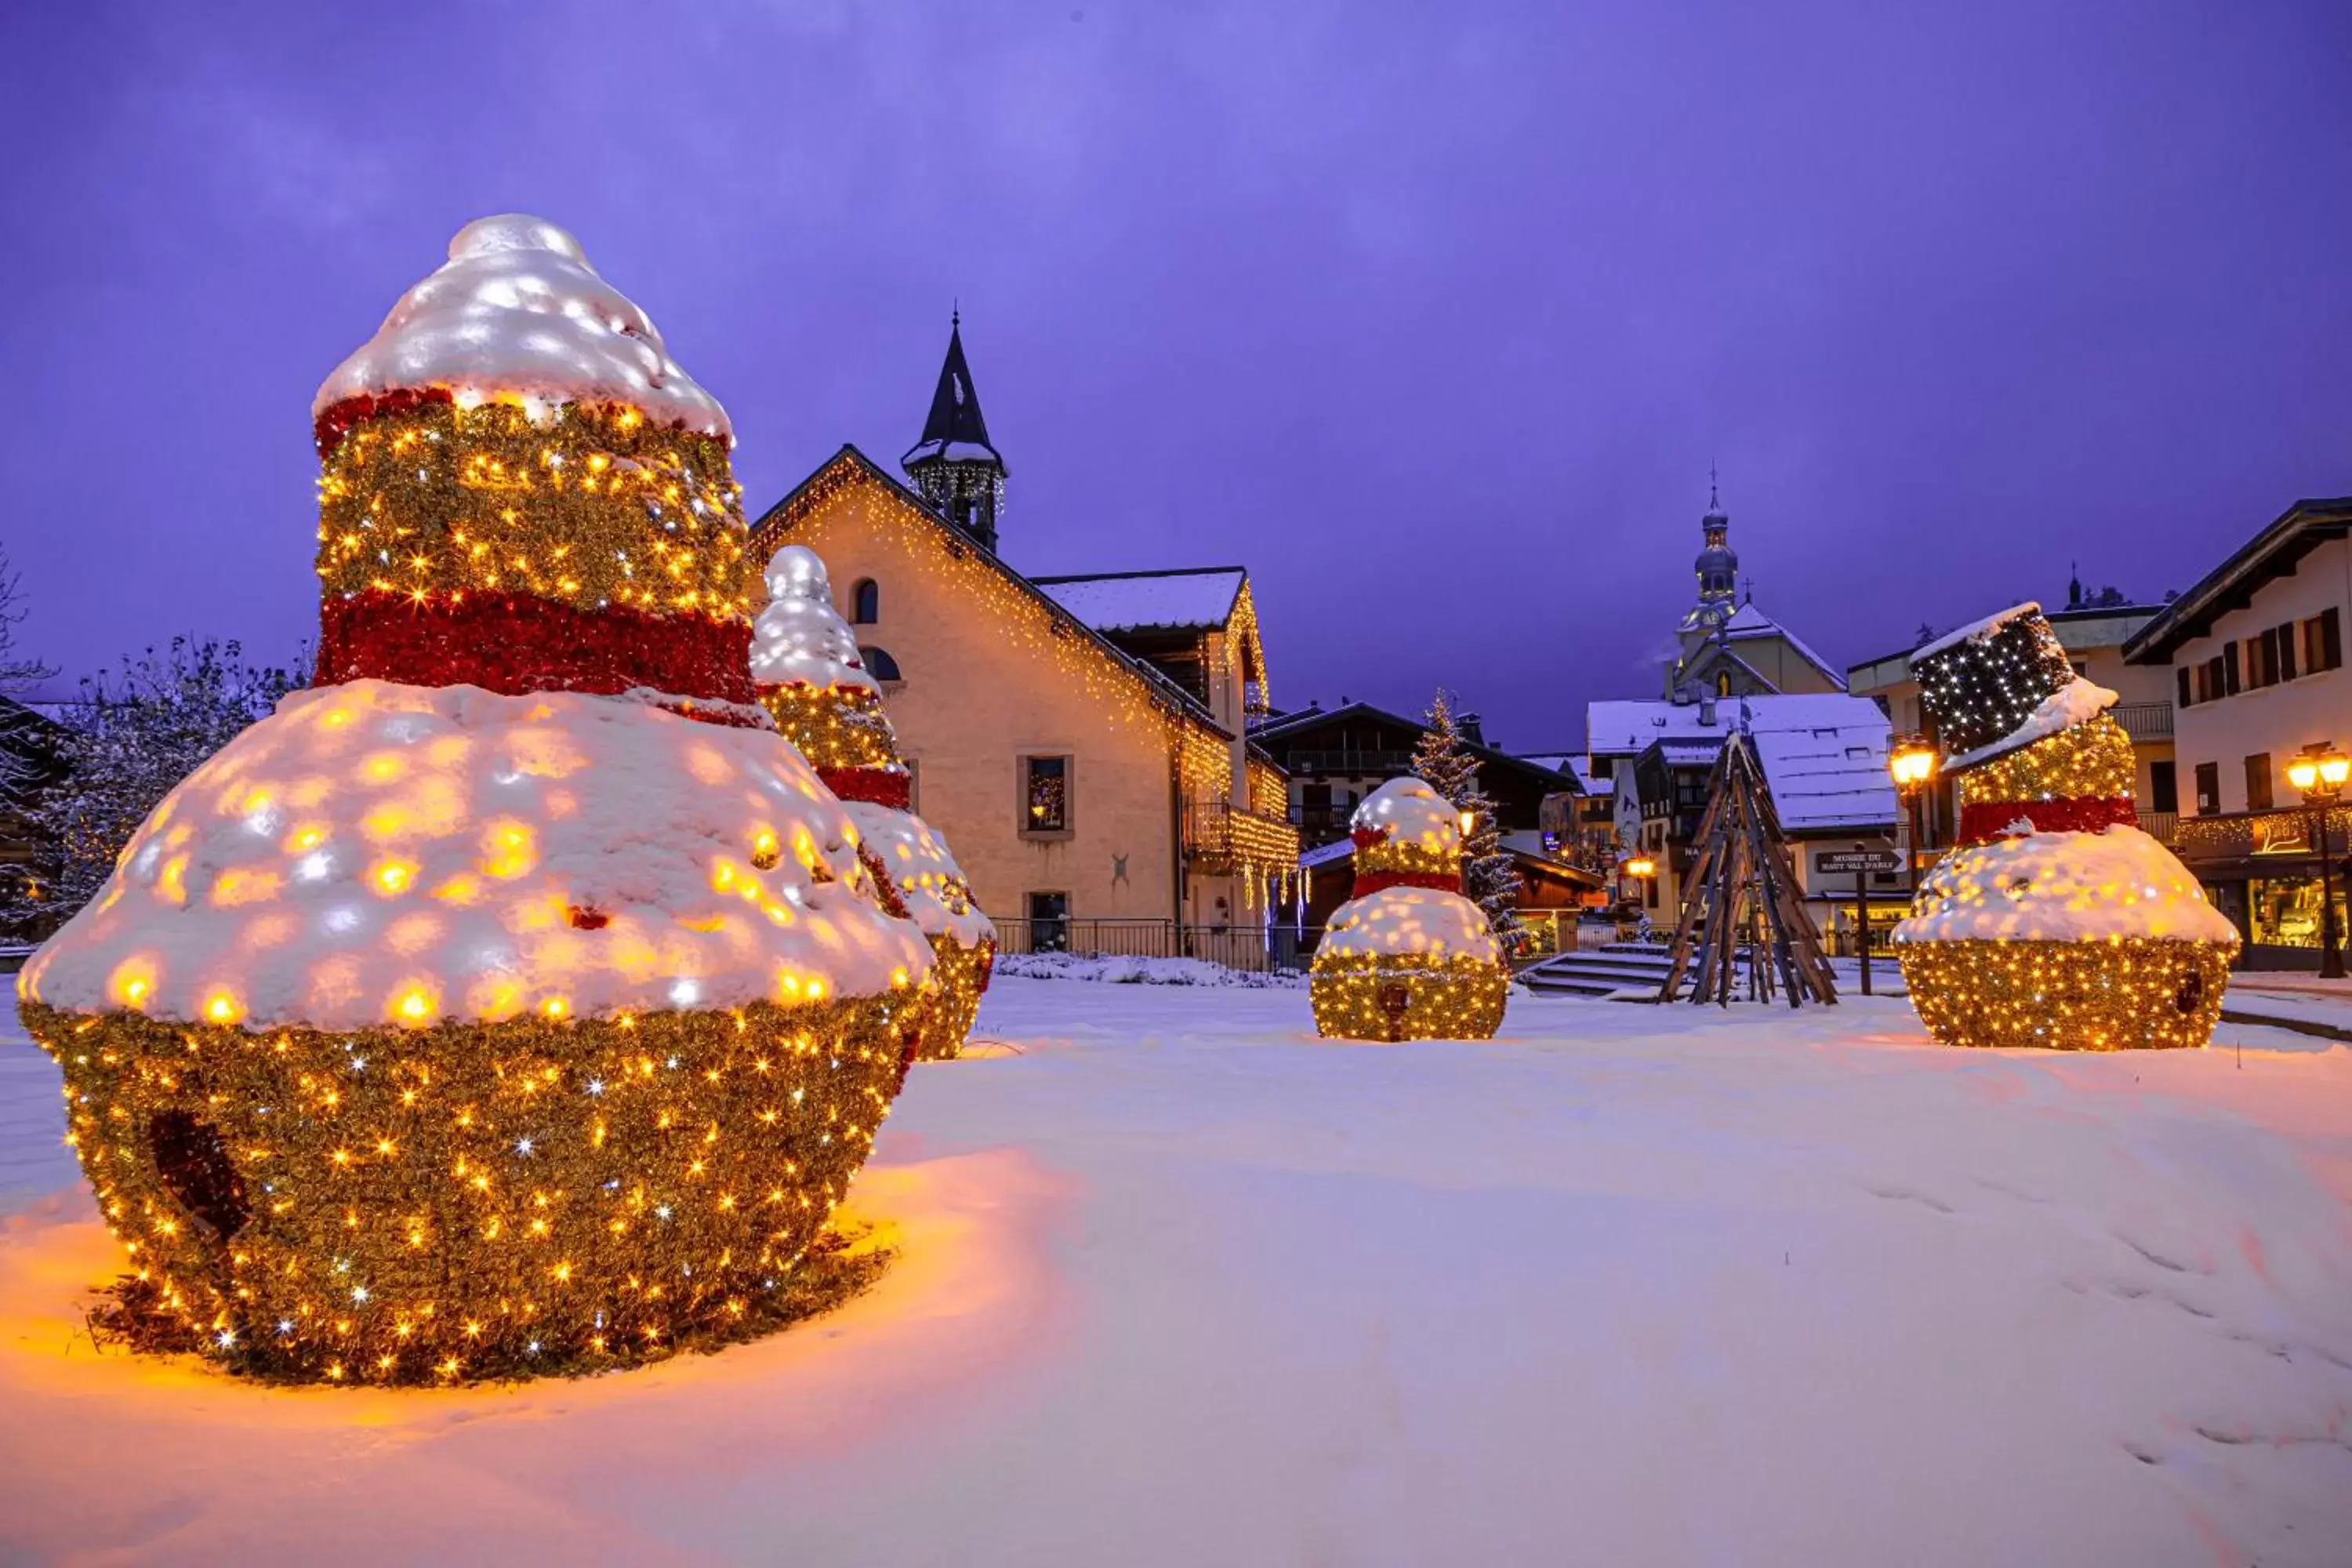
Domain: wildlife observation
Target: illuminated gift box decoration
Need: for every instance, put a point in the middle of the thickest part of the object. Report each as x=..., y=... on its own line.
x=810, y=677
x=2056, y=922
x=1408, y=958
x=433, y=1032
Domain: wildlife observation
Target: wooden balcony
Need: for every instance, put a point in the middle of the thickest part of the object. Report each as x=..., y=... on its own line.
x=2144, y=722
x=1220, y=838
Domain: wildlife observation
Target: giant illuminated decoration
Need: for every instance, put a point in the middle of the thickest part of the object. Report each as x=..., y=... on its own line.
x=2056, y=921
x=515, y=999
x=1408, y=958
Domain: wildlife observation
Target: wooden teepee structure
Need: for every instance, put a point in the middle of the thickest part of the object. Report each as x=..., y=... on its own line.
x=1742, y=893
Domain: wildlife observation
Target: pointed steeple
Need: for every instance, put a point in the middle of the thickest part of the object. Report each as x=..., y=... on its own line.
x=954, y=464
x=1717, y=567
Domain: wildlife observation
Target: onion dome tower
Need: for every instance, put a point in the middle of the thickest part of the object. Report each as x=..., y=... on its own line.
x=954, y=465
x=479, y=1014
x=1716, y=568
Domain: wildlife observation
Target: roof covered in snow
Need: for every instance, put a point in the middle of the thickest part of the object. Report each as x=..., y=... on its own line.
x=1191, y=598
x=1750, y=624
x=1824, y=753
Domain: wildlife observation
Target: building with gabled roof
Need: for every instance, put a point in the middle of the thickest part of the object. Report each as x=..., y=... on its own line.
x=1729, y=647
x=1082, y=742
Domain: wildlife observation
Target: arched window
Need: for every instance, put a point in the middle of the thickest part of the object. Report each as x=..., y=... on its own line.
x=878, y=662
x=866, y=603
x=1723, y=683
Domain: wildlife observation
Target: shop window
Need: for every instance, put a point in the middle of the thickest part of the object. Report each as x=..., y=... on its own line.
x=2163, y=791
x=1044, y=794
x=2323, y=641
x=2209, y=788
x=2283, y=911
x=2258, y=782
x=866, y=603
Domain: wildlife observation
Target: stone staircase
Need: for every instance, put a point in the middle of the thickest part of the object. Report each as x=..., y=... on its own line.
x=1619, y=971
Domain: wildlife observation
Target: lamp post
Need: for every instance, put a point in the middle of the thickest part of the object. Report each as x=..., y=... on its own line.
x=1640, y=868
x=2318, y=774
x=1911, y=762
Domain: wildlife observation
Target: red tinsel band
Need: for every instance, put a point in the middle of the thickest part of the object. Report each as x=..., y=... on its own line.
x=329, y=428
x=1365, y=838
x=1369, y=882
x=1985, y=821
x=893, y=903
x=875, y=787
x=520, y=643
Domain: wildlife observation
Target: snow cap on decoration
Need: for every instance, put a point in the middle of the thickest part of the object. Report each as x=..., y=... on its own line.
x=2064, y=886
x=518, y=314
x=936, y=891
x=2078, y=701
x=1418, y=921
x=800, y=639
x=375, y=853
x=1407, y=812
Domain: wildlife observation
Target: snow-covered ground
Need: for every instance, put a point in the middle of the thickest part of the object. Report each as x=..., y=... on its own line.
x=1182, y=1284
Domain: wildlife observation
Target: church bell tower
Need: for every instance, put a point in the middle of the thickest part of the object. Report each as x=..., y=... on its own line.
x=954, y=466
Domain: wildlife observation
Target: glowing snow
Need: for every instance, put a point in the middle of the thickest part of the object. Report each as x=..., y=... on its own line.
x=2063, y=887
x=1409, y=812
x=615, y=874
x=800, y=639
x=516, y=312
x=1396, y=922
x=918, y=860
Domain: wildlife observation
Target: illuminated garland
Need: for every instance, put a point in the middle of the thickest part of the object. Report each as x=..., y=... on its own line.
x=2127, y=993
x=474, y=1200
x=834, y=727
x=1364, y=997
x=2093, y=759
x=1437, y=881
x=590, y=507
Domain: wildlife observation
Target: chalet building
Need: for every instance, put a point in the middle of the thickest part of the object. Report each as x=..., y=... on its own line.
x=1336, y=757
x=2094, y=630
x=1081, y=742
x=2252, y=657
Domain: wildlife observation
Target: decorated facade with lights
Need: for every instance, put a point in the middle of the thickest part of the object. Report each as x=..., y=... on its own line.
x=515, y=999
x=1409, y=957
x=2057, y=923
x=1082, y=742
x=807, y=669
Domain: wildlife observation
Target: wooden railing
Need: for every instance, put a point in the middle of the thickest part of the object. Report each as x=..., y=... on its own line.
x=1220, y=831
x=2145, y=720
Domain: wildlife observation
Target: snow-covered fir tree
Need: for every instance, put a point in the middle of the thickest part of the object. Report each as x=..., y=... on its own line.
x=1488, y=878
x=126, y=739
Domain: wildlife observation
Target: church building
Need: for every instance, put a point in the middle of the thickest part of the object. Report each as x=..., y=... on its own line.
x=1081, y=741
x=1729, y=646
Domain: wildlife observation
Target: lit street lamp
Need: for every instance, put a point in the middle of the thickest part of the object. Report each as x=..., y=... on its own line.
x=2318, y=774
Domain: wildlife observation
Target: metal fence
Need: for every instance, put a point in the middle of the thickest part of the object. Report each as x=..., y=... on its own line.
x=1251, y=947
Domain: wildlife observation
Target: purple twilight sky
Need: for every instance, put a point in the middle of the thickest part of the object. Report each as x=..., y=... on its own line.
x=1432, y=316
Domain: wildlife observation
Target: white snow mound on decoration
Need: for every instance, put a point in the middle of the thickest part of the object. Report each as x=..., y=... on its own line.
x=517, y=314
x=918, y=862
x=800, y=639
x=1423, y=921
x=371, y=842
x=1409, y=812
x=2063, y=887
x=2078, y=701
x=1976, y=631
